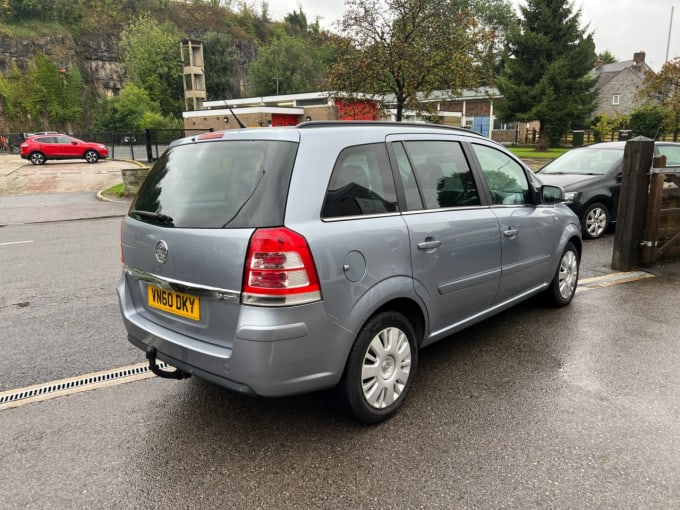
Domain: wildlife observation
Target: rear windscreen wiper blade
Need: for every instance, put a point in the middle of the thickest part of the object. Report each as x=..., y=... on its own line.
x=159, y=217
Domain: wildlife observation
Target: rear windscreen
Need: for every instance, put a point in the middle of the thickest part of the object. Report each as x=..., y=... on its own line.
x=218, y=184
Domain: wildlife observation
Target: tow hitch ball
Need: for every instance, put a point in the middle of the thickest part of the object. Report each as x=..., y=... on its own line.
x=165, y=374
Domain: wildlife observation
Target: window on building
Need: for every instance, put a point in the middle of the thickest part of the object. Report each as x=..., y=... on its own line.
x=616, y=99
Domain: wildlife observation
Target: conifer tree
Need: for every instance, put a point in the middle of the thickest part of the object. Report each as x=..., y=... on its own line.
x=546, y=70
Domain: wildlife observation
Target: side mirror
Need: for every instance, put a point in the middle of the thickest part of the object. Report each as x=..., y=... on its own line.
x=552, y=194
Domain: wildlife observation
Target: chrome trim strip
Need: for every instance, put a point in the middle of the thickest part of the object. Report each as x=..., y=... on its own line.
x=359, y=217
x=181, y=286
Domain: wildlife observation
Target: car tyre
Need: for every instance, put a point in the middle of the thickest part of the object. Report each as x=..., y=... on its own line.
x=563, y=286
x=595, y=221
x=91, y=156
x=37, y=158
x=381, y=367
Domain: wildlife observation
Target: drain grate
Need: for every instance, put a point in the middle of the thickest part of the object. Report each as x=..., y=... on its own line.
x=53, y=389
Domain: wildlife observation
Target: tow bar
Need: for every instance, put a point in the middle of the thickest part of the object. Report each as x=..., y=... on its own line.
x=165, y=374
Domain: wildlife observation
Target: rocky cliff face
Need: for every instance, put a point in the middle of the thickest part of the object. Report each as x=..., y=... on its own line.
x=101, y=60
x=96, y=55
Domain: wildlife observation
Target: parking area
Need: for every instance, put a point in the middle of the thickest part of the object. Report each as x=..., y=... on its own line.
x=535, y=408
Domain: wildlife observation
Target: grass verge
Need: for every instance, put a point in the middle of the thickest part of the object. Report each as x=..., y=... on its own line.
x=531, y=152
x=114, y=191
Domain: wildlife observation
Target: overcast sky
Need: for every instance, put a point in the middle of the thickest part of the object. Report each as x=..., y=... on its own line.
x=621, y=26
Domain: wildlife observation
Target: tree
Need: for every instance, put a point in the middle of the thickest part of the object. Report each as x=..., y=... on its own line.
x=498, y=16
x=126, y=111
x=647, y=121
x=546, y=70
x=52, y=95
x=604, y=125
x=288, y=66
x=151, y=52
x=221, y=80
x=663, y=89
x=606, y=57
x=409, y=48
x=11, y=97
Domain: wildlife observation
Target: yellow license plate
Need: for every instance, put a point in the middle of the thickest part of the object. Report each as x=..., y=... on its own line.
x=175, y=302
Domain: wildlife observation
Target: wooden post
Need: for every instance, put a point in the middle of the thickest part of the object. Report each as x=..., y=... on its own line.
x=650, y=232
x=637, y=160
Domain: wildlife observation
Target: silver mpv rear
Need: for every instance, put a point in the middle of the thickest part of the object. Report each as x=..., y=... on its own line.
x=285, y=260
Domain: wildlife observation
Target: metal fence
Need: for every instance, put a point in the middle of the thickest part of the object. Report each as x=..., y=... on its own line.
x=147, y=145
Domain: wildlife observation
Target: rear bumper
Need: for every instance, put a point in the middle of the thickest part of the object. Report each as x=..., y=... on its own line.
x=304, y=351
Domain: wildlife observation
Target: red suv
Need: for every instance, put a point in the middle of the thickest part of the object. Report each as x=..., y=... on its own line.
x=39, y=148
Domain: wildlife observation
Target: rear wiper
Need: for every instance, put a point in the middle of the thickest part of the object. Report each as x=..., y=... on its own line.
x=159, y=217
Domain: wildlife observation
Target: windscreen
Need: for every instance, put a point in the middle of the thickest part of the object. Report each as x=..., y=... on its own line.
x=218, y=184
x=584, y=161
x=672, y=153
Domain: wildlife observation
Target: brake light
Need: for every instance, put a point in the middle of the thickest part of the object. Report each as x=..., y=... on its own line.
x=211, y=135
x=279, y=270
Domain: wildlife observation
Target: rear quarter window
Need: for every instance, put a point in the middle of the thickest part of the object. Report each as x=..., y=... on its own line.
x=220, y=184
x=361, y=183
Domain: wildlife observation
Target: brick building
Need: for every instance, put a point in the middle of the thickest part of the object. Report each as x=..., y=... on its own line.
x=472, y=109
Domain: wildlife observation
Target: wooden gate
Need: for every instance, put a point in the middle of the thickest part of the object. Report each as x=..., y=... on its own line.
x=661, y=233
x=648, y=219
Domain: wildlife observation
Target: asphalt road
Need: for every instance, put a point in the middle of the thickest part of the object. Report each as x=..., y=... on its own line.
x=535, y=408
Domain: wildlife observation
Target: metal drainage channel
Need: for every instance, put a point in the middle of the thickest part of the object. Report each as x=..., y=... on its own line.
x=13, y=398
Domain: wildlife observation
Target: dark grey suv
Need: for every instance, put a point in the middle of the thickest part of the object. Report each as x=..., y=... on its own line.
x=284, y=260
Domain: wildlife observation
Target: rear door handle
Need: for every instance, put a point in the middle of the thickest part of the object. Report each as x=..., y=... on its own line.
x=429, y=244
x=511, y=233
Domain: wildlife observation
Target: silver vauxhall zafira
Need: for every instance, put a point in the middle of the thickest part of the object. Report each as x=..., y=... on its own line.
x=285, y=260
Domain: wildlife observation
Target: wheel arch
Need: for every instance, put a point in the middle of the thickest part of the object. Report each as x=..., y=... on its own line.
x=572, y=235
x=409, y=309
x=396, y=293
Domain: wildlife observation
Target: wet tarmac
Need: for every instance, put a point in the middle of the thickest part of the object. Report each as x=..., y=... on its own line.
x=535, y=408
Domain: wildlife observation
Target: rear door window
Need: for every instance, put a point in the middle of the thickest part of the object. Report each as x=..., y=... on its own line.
x=442, y=174
x=219, y=184
x=361, y=183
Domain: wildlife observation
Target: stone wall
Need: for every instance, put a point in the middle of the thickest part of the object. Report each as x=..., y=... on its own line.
x=133, y=179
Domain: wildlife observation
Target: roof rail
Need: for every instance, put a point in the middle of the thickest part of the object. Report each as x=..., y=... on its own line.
x=345, y=123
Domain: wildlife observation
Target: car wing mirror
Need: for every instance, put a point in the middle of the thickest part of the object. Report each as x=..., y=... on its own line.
x=552, y=194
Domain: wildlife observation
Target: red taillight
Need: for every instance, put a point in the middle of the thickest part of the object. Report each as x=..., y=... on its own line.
x=279, y=269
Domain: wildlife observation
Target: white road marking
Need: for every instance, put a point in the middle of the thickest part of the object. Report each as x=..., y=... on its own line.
x=16, y=242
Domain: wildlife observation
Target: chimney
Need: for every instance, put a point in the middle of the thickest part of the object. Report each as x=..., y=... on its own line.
x=639, y=58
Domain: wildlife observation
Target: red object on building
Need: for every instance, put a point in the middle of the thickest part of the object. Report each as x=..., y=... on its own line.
x=349, y=109
x=284, y=119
